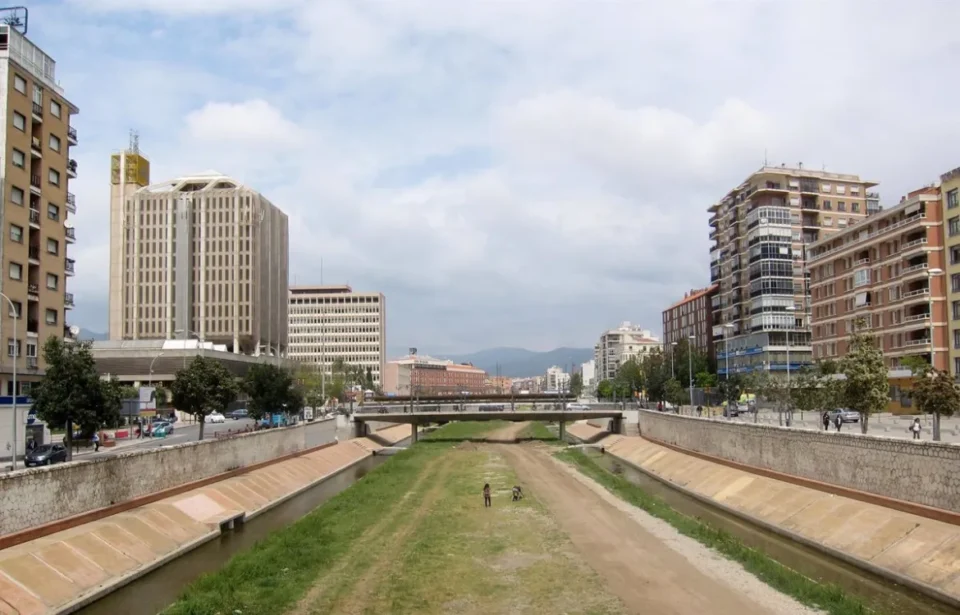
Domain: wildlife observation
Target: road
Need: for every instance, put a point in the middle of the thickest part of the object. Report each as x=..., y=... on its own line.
x=182, y=432
x=646, y=563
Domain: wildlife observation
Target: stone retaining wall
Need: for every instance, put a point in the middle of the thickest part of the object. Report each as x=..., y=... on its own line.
x=923, y=472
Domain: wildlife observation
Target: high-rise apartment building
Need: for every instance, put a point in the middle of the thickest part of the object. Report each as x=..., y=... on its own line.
x=555, y=380
x=950, y=199
x=887, y=273
x=199, y=256
x=36, y=173
x=617, y=346
x=759, y=230
x=330, y=323
x=692, y=317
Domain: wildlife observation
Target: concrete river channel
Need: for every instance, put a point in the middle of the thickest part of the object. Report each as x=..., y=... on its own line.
x=160, y=588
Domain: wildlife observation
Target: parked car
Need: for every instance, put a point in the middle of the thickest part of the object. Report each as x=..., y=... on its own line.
x=846, y=415
x=214, y=417
x=45, y=454
x=238, y=414
x=166, y=426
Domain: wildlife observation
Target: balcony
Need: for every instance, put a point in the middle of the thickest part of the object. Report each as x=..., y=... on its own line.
x=33, y=327
x=809, y=186
x=69, y=266
x=34, y=253
x=72, y=135
x=68, y=300
x=37, y=110
x=36, y=147
x=916, y=318
x=35, y=183
x=34, y=218
x=71, y=234
x=33, y=292
x=916, y=243
x=72, y=168
x=32, y=362
x=71, y=203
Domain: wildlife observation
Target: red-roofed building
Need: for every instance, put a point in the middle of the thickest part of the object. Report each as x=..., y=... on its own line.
x=692, y=315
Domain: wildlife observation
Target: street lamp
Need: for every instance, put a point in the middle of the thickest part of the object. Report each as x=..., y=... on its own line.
x=159, y=354
x=790, y=309
x=726, y=348
x=187, y=332
x=673, y=350
x=13, y=310
x=933, y=344
x=690, y=340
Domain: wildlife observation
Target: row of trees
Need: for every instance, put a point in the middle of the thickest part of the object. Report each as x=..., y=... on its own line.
x=661, y=376
x=72, y=393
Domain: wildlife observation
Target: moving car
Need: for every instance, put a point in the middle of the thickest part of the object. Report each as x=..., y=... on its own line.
x=214, y=417
x=45, y=454
x=846, y=415
x=238, y=414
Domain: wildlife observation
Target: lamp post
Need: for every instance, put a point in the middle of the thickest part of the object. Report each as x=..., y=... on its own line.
x=673, y=349
x=200, y=339
x=933, y=344
x=690, y=340
x=726, y=349
x=13, y=310
x=159, y=354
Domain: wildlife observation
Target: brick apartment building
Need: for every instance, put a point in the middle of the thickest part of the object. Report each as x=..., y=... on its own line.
x=889, y=270
x=692, y=316
x=423, y=375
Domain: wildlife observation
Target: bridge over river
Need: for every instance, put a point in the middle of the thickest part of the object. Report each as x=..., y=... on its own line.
x=415, y=419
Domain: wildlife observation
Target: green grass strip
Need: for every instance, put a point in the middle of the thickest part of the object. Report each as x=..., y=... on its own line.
x=464, y=430
x=829, y=598
x=537, y=430
x=272, y=576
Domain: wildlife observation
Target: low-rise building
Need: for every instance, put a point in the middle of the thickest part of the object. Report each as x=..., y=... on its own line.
x=499, y=385
x=588, y=373
x=692, y=317
x=887, y=270
x=423, y=375
x=556, y=380
x=617, y=346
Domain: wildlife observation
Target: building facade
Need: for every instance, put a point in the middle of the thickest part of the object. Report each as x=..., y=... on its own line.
x=556, y=380
x=617, y=346
x=331, y=323
x=760, y=230
x=36, y=216
x=588, y=371
x=692, y=317
x=888, y=271
x=423, y=375
x=950, y=199
x=199, y=256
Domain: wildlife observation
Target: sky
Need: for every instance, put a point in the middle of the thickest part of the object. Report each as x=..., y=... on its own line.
x=508, y=173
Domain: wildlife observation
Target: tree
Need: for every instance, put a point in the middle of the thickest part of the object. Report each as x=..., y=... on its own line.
x=674, y=392
x=704, y=380
x=935, y=392
x=270, y=389
x=731, y=388
x=604, y=389
x=916, y=364
x=368, y=383
x=576, y=384
x=309, y=381
x=684, y=354
x=629, y=379
x=203, y=387
x=72, y=393
x=866, y=388
x=656, y=372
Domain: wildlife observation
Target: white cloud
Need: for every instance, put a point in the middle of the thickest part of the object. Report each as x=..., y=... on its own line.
x=550, y=162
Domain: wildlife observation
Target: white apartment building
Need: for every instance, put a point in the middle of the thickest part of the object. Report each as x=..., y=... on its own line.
x=201, y=256
x=556, y=380
x=617, y=346
x=334, y=322
x=588, y=372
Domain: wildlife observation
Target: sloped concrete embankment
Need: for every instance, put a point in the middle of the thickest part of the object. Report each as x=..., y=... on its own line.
x=913, y=550
x=64, y=571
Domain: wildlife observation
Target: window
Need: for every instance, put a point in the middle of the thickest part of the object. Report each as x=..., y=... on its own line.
x=31, y=349
x=13, y=347
x=53, y=176
x=17, y=310
x=855, y=207
x=956, y=338
x=52, y=281
x=19, y=122
x=841, y=206
x=16, y=271
x=55, y=108
x=955, y=282
x=19, y=160
x=20, y=84
x=51, y=316
x=956, y=310
x=53, y=212
x=861, y=277
x=827, y=206
x=16, y=233
x=16, y=195
x=53, y=246
x=55, y=143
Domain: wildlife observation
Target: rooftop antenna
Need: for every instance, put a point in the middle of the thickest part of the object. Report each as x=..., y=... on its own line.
x=134, y=141
x=764, y=156
x=321, y=271
x=16, y=17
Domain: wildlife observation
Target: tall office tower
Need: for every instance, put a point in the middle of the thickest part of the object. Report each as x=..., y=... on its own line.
x=36, y=173
x=328, y=323
x=199, y=256
x=760, y=230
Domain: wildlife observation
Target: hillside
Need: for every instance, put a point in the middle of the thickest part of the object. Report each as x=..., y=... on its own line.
x=519, y=362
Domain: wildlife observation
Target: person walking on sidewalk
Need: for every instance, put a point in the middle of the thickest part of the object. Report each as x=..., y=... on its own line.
x=486, y=496
x=915, y=428
x=826, y=421
x=838, y=421
x=96, y=442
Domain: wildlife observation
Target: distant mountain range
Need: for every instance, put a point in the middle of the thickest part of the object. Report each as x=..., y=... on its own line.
x=86, y=334
x=518, y=362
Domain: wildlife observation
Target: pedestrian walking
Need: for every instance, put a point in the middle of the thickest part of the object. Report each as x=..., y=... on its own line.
x=96, y=442
x=826, y=420
x=838, y=421
x=915, y=428
x=486, y=496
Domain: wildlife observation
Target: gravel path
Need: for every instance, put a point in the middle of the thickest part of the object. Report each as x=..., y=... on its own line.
x=648, y=564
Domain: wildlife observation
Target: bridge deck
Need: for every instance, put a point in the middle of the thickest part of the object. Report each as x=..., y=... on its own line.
x=422, y=418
